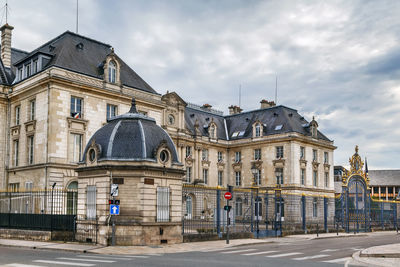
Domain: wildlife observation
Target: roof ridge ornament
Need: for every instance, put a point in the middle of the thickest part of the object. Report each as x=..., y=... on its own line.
x=133, y=107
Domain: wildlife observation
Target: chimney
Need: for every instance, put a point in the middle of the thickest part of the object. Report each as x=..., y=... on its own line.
x=207, y=107
x=6, y=44
x=234, y=110
x=267, y=104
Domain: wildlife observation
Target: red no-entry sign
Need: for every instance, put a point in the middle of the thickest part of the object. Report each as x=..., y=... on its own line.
x=228, y=195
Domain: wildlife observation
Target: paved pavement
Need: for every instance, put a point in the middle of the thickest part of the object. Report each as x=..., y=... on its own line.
x=388, y=255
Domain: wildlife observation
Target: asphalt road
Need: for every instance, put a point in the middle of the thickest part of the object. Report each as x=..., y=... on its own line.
x=318, y=252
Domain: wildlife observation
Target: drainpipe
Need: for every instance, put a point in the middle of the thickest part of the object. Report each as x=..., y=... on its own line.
x=7, y=143
x=48, y=133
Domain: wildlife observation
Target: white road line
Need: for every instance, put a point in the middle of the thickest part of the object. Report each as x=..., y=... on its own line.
x=338, y=260
x=90, y=260
x=330, y=250
x=284, y=255
x=217, y=249
x=154, y=254
x=66, y=263
x=141, y=257
x=258, y=253
x=311, y=257
x=22, y=265
x=238, y=251
x=105, y=258
x=356, y=249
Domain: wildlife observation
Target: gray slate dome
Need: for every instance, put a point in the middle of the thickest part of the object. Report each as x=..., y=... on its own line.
x=130, y=137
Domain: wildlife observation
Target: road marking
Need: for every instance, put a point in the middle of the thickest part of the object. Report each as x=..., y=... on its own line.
x=356, y=249
x=142, y=257
x=22, y=265
x=66, y=263
x=214, y=250
x=105, y=258
x=154, y=254
x=311, y=257
x=238, y=251
x=338, y=260
x=284, y=255
x=261, y=252
x=90, y=260
x=330, y=250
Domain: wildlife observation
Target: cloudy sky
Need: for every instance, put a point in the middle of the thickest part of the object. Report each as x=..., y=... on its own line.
x=337, y=60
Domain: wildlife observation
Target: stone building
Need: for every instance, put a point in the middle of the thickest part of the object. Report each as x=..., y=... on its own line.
x=55, y=97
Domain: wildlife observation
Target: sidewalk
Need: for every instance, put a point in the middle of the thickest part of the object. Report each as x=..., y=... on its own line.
x=387, y=255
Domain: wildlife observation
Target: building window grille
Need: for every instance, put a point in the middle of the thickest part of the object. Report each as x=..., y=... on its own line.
x=302, y=176
x=76, y=147
x=315, y=155
x=258, y=130
x=257, y=154
x=91, y=202
x=163, y=204
x=302, y=152
x=315, y=178
x=220, y=158
x=326, y=158
x=31, y=144
x=220, y=178
x=16, y=152
x=188, y=174
x=17, y=115
x=204, y=154
x=188, y=151
x=238, y=156
x=238, y=207
x=76, y=107
x=205, y=176
x=112, y=72
x=279, y=152
x=32, y=106
x=315, y=207
x=111, y=111
x=327, y=179
x=279, y=176
x=238, y=176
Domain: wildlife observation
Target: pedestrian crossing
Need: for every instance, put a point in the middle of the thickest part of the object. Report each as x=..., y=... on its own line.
x=82, y=260
x=326, y=255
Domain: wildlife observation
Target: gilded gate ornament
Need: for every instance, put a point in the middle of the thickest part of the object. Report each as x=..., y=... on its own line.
x=356, y=168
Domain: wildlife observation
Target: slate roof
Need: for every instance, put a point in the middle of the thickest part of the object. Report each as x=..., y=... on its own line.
x=242, y=123
x=384, y=177
x=131, y=137
x=89, y=59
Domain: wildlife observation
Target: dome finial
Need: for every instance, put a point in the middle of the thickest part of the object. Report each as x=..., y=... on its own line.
x=133, y=107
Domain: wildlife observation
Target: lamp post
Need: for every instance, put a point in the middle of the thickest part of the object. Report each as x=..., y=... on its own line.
x=254, y=171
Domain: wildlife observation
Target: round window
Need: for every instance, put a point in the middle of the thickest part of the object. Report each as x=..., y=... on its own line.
x=164, y=156
x=171, y=119
x=92, y=155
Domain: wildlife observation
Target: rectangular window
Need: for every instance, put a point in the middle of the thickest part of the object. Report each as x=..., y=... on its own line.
x=31, y=145
x=279, y=175
x=91, y=202
x=258, y=177
x=163, y=204
x=204, y=154
x=315, y=207
x=16, y=152
x=28, y=186
x=238, y=156
x=315, y=178
x=35, y=66
x=238, y=176
x=315, y=155
x=13, y=187
x=76, y=107
x=220, y=156
x=28, y=70
x=111, y=111
x=279, y=152
x=326, y=158
x=188, y=151
x=76, y=150
x=238, y=207
x=257, y=154
x=220, y=178
x=302, y=152
x=302, y=176
x=20, y=74
x=32, y=107
x=327, y=179
x=188, y=174
x=205, y=176
x=17, y=114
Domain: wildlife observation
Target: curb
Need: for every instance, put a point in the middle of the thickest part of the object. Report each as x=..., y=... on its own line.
x=48, y=247
x=338, y=236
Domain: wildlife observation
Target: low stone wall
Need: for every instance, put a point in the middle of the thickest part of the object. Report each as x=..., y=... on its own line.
x=25, y=234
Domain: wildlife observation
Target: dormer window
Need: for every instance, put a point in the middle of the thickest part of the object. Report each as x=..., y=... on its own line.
x=27, y=70
x=313, y=128
x=258, y=130
x=212, y=131
x=35, y=66
x=112, y=71
x=19, y=73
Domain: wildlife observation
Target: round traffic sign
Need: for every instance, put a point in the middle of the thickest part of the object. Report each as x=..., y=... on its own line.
x=228, y=195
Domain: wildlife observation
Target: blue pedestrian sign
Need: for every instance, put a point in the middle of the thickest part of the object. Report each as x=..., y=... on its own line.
x=114, y=209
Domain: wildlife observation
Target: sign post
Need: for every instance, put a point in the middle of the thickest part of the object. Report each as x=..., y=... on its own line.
x=114, y=210
x=228, y=197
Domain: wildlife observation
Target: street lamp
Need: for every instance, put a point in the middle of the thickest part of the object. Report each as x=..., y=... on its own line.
x=254, y=171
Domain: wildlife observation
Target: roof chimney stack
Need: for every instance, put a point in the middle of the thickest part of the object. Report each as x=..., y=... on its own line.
x=267, y=104
x=234, y=110
x=207, y=107
x=6, y=44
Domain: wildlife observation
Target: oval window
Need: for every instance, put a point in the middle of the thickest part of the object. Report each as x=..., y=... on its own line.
x=171, y=119
x=92, y=155
x=164, y=156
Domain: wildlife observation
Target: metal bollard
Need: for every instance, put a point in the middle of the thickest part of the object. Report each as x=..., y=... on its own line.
x=337, y=228
x=354, y=227
x=317, y=230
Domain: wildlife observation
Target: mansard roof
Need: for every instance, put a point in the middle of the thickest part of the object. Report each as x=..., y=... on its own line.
x=83, y=55
x=275, y=120
x=384, y=177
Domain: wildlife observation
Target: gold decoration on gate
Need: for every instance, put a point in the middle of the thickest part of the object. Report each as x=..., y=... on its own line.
x=356, y=168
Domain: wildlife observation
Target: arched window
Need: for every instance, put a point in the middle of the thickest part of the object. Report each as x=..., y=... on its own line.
x=258, y=130
x=238, y=206
x=112, y=72
x=72, y=197
x=211, y=131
